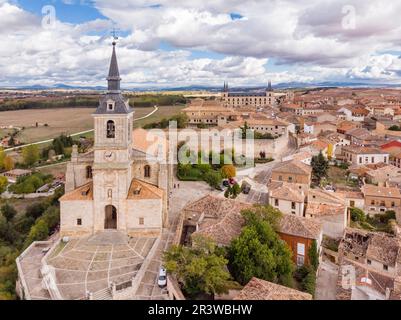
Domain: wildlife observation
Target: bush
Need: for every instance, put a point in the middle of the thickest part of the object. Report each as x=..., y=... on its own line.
x=3, y=184
x=8, y=212
x=309, y=282
x=213, y=178
x=387, y=216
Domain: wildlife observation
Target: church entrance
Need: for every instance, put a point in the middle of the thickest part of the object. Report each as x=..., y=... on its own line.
x=110, y=221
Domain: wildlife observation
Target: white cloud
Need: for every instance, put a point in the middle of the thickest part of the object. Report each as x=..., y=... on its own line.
x=306, y=35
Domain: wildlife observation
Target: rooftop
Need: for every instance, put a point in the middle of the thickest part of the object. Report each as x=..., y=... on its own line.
x=293, y=166
x=375, y=191
x=258, y=289
x=300, y=227
x=287, y=192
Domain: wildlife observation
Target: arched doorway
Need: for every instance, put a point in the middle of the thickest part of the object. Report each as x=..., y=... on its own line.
x=110, y=220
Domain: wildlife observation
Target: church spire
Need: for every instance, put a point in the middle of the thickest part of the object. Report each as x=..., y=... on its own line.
x=114, y=74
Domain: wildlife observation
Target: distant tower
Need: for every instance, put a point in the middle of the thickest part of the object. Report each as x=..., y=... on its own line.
x=269, y=87
x=225, y=87
x=225, y=93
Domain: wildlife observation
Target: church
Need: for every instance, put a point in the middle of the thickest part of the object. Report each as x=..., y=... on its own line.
x=123, y=183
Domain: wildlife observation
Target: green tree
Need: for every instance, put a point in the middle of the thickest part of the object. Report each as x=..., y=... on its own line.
x=357, y=215
x=314, y=255
x=38, y=232
x=200, y=269
x=320, y=167
x=213, y=178
x=259, y=252
x=36, y=210
x=3, y=184
x=8, y=212
x=265, y=213
x=30, y=155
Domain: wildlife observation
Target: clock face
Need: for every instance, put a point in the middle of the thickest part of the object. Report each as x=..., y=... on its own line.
x=109, y=156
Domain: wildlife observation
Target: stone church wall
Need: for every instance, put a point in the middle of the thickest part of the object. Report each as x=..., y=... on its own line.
x=150, y=210
x=71, y=212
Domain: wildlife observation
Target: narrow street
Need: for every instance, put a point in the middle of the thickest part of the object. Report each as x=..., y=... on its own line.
x=326, y=281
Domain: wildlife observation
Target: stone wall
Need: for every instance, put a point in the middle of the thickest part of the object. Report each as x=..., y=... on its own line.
x=214, y=139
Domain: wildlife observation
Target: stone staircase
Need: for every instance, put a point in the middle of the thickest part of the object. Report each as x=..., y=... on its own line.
x=103, y=294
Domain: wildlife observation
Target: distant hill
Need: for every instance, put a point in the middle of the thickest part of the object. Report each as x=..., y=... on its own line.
x=280, y=86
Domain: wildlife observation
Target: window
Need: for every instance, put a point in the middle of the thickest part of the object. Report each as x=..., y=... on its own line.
x=110, y=107
x=293, y=205
x=373, y=159
x=280, y=178
x=385, y=267
x=79, y=222
x=301, y=249
x=111, y=129
x=276, y=202
x=290, y=179
x=392, y=204
x=372, y=202
x=89, y=174
x=110, y=193
x=300, y=261
x=369, y=262
x=147, y=171
x=141, y=221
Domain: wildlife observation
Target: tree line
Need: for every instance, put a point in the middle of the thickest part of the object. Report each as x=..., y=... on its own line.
x=18, y=104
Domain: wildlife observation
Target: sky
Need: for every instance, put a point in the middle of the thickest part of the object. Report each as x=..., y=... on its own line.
x=170, y=43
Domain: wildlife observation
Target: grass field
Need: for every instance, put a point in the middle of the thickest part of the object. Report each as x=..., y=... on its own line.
x=54, y=170
x=68, y=121
x=163, y=112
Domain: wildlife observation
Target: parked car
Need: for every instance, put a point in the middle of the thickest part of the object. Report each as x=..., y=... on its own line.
x=246, y=188
x=162, y=279
x=226, y=183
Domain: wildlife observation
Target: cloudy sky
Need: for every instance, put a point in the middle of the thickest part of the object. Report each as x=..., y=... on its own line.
x=167, y=43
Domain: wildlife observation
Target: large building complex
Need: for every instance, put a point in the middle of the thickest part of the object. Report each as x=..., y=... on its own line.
x=251, y=99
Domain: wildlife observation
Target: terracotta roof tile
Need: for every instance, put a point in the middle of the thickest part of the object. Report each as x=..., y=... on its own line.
x=258, y=289
x=83, y=193
x=140, y=190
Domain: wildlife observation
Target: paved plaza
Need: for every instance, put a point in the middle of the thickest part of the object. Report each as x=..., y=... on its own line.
x=91, y=264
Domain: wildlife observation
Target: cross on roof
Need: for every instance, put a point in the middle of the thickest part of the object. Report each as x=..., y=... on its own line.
x=114, y=33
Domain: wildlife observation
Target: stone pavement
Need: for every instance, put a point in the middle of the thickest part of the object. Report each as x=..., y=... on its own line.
x=91, y=264
x=188, y=192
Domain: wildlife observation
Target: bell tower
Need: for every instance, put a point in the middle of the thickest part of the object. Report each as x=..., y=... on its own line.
x=112, y=169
